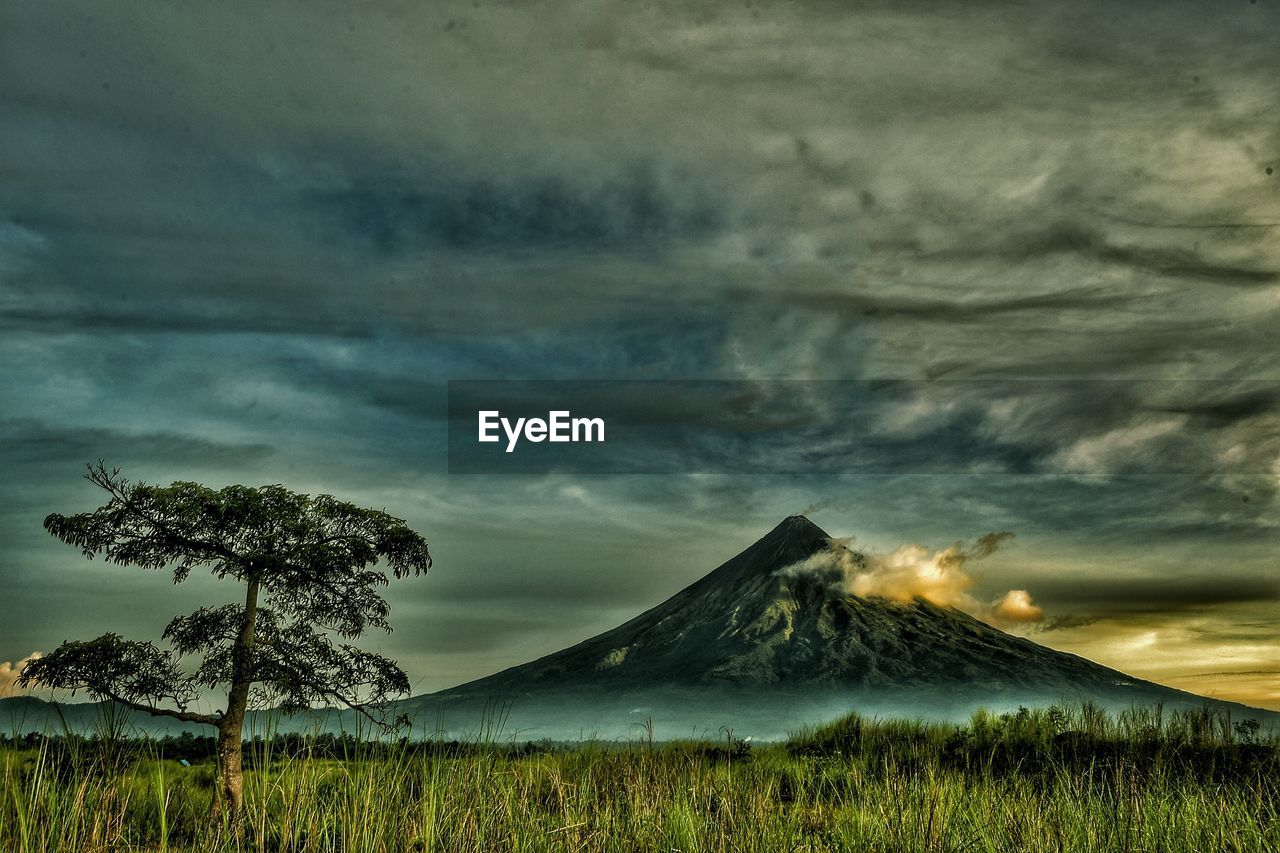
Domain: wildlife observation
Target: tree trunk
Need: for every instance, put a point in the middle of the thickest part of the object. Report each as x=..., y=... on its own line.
x=229, y=793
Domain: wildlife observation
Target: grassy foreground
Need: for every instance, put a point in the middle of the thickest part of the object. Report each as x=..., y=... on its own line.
x=1060, y=779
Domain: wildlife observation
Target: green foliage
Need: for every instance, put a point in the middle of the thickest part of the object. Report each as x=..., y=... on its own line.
x=1200, y=743
x=313, y=561
x=134, y=671
x=859, y=784
x=314, y=555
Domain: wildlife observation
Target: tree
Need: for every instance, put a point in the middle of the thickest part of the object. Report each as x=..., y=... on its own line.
x=307, y=565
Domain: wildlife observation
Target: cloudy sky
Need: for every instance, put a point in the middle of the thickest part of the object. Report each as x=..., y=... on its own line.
x=252, y=242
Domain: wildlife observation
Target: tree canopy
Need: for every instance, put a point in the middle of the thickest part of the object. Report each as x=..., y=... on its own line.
x=312, y=567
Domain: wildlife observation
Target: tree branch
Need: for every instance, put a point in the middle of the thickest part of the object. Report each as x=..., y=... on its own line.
x=360, y=707
x=185, y=716
x=126, y=500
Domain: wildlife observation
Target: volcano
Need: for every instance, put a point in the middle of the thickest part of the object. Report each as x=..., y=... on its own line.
x=757, y=646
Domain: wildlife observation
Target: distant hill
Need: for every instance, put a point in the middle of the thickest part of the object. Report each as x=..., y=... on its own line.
x=22, y=714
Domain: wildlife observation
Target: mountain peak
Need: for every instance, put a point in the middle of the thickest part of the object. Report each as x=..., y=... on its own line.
x=795, y=535
x=799, y=525
x=793, y=540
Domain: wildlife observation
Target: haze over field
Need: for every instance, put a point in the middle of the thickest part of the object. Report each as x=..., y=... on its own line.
x=252, y=245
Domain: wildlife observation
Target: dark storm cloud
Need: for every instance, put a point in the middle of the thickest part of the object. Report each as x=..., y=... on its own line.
x=1091, y=244
x=869, y=305
x=631, y=213
x=44, y=462
x=242, y=248
x=213, y=320
x=1159, y=593
x=1099, y=513
x=1219, y=408
x=1067, y=621
x=32, y=444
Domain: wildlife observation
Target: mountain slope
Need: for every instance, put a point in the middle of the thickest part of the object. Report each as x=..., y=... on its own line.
x=748, y=622
x=754, y=646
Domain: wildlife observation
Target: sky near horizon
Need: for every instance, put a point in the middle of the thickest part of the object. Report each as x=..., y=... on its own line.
x=251, y=242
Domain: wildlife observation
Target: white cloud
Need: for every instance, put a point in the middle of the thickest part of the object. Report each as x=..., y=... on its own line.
x=1016, y=606
x=9, y=672
x=914, y=571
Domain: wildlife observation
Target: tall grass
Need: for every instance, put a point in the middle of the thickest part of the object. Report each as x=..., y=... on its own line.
x=1050, y=780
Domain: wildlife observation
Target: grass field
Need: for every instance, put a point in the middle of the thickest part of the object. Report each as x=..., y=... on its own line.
x=1051, y=780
